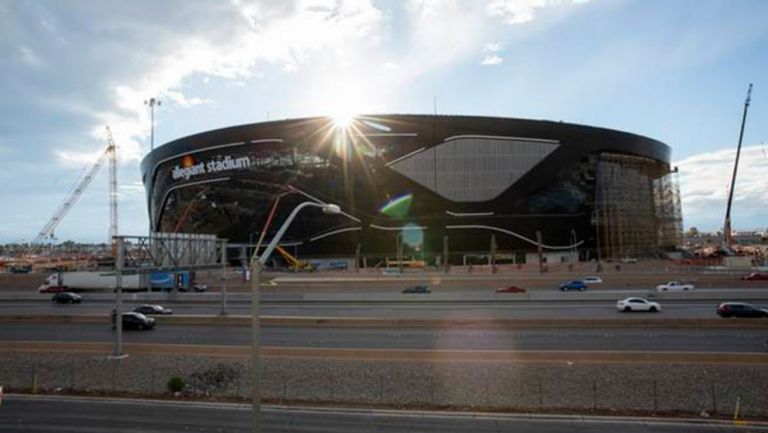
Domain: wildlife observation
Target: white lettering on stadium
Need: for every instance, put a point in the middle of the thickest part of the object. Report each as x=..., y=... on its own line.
x=212, y=166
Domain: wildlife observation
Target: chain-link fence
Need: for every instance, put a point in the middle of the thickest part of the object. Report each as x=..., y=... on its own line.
x=644, y=388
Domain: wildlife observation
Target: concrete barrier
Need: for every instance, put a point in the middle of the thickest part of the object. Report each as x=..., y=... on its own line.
x=488, y=295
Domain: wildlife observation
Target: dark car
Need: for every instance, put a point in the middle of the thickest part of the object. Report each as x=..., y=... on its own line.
x=755, y=276
x=135, y=320
x=67, y=298
x=740, y=309
x=510, y=289
x=417, y=289
x=152, y=309
x=574, y=285
x=197, y=288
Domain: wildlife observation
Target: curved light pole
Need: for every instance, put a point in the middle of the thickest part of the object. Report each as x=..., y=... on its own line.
x=256, y=265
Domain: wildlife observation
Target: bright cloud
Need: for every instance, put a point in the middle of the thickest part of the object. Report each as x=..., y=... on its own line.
x=522, y=11
x=490, y=56
x=705, y=180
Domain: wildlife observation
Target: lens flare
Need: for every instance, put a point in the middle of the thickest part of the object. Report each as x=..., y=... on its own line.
x=398, y=208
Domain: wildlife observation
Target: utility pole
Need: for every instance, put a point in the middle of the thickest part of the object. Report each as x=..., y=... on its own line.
x=727, y=240
x=152, y=102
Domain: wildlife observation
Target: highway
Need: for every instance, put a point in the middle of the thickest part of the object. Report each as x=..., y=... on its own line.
x=697, y=340
x=688, y=309
x=24, y=414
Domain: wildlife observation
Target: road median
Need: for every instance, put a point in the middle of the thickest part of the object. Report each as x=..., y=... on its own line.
x=399, y=355
x=384, y=322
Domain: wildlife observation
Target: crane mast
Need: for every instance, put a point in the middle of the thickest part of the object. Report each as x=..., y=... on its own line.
x=112, y=150
x=727, y=233
x=111, y=153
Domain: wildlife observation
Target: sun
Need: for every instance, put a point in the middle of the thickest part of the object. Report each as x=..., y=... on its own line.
x=343, y=119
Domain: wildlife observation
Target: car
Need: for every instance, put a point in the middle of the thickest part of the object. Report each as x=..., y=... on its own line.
x=135, y=320
x=674, y=286
x=573, y=285
x=755, y=276
x=740, y=309
x=67, y=298
x=592, y=280
x=197, y=288
x=637, y=304
x=629, y=260
x=417, y=289
x=510, y=289
x=152, y=309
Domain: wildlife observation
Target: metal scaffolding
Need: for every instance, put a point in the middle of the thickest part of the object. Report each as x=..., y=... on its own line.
x=637, y=207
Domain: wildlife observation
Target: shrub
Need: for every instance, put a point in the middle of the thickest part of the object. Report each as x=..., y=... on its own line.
x=176, y=384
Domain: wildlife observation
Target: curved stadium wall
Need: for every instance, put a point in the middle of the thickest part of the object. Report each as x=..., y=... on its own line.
x=430, y=183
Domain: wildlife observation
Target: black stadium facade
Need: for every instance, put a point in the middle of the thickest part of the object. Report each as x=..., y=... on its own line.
x=429, y=183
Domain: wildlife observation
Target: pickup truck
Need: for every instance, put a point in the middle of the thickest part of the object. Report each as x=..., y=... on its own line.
x=674, y=286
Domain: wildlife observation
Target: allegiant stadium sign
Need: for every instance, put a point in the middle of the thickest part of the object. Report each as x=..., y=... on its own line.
x=189, y=168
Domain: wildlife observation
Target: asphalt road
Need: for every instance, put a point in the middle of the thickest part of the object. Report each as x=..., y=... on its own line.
x=689, y=309
x=698, y=340
x=32, y=415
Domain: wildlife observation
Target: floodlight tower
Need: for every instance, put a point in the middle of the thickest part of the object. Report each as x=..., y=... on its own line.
x=152, y=102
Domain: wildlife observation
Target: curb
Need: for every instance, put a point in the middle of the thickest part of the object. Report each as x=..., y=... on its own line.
x=394, y=413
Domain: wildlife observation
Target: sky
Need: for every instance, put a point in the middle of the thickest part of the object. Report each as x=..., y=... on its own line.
x=675, y=71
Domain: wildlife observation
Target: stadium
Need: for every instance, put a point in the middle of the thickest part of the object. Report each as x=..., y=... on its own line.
x=422, y=186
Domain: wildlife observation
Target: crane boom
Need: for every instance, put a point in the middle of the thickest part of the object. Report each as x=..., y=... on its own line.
x=727, y=230
x=72, y=198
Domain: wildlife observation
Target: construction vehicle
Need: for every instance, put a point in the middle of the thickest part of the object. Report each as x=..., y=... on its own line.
x=293, y=262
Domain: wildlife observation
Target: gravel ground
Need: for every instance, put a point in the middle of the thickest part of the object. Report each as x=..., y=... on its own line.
x=486, y=385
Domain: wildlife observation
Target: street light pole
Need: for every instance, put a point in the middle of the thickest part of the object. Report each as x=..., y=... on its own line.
x=257, y=263
x=118, y=351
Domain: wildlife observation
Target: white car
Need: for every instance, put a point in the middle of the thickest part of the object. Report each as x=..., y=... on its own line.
x=674, y=286
x=637, y=304
x=592, y=280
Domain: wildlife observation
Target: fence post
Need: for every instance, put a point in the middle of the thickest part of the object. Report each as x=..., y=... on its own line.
x=541, y=397
x=34, y=381
x=655, y=397
x=594, y=395
x=332, y=386
x=432, y=389
x=152, y=384
x=381, y=388
x=487, y=392
x=71, y=374
x=285, y=386
x=714, y=399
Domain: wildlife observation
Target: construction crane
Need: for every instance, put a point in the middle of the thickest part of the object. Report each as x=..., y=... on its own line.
x=109, y=153
x=727, y=233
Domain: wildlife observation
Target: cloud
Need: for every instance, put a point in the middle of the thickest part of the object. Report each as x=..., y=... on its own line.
x=705, y=180
x=490, y=54
x=522, y=11
x=287, y=35
x=30, y=58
